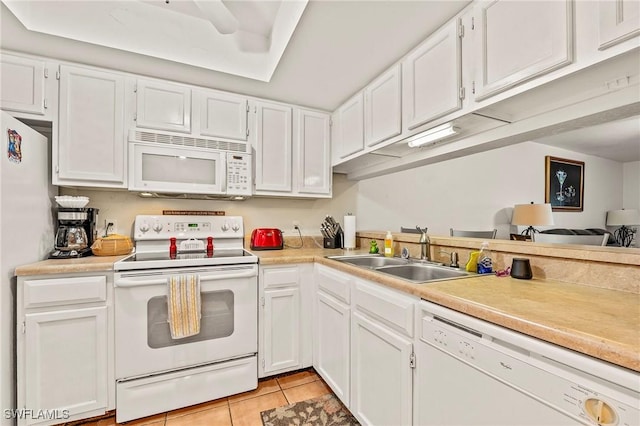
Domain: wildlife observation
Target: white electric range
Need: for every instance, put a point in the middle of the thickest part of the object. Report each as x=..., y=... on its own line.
x=155, y=372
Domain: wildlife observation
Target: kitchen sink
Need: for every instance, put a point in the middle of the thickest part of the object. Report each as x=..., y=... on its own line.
x=373, y=261
x=416, y=271
x=421, y=273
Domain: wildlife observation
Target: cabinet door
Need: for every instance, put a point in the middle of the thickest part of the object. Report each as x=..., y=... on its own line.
x=66, y=363
x=331, y=350
x=520, y=40
x=273, y=147
x=619, y=21
x=281, y=320
x=432, y=77
x=382, y=107
x=92, y=139
x=381, y=374
x=313, y=173
x=23, y=84
x=223, y=115
x=350, y=127
x=163, y=106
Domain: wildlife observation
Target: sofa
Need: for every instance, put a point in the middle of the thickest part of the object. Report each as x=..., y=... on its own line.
x=587, y=231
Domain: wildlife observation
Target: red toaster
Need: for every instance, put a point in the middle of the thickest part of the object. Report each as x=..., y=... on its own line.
x=266, y=239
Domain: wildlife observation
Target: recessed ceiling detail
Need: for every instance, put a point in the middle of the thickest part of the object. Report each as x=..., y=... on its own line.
x=243, y=37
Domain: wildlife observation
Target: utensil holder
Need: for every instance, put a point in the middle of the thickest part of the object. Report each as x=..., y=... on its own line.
x=336, y=242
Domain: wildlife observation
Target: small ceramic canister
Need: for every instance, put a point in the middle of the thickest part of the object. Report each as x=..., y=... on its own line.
x=521, y=268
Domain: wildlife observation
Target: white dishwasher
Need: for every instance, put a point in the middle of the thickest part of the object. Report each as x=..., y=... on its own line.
x=471, y=372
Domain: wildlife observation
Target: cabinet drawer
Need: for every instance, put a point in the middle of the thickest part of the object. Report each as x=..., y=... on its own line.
x=334, y=283
x=280, y=277
x=64, y=291
x=385, y=305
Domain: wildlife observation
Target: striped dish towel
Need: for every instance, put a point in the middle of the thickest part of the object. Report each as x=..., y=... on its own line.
x=184, y=305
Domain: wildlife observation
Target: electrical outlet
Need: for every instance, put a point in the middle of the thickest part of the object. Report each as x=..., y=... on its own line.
x=110, y=226
x=296, y=224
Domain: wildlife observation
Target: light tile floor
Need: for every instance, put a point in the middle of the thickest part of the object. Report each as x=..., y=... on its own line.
x=238, y=410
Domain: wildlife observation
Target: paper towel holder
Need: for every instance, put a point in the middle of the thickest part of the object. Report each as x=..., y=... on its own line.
x=349, y=238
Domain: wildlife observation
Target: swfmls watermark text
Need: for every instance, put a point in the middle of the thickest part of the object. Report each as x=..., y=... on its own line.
x=30, y=414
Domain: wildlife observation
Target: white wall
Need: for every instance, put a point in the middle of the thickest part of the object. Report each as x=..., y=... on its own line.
x=631, y=185
x=479, y=191
x=257, y=212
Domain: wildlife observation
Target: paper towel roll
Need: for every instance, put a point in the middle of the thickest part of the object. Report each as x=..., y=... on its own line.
x=349, y=232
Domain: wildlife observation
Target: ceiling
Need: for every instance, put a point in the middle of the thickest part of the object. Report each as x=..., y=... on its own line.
x=333, y=48
x=244, y=38
x=616, y=140
x=336, y=49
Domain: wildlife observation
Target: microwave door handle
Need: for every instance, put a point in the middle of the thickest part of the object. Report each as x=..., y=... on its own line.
x=225, y=176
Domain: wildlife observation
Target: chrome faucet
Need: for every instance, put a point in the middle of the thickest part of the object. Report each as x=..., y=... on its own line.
x=424, y=244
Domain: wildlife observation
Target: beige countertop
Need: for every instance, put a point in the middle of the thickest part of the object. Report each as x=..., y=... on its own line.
x=67, y=266
x=598, y=322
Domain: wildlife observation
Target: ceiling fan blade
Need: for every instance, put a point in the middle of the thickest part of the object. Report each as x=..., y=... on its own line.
x=218, y=14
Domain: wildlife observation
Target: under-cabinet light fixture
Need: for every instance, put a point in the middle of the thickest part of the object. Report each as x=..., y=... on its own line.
x=432, y=135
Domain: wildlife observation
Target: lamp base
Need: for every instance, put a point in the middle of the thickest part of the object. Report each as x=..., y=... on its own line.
x=529, y=231
x=624, y=236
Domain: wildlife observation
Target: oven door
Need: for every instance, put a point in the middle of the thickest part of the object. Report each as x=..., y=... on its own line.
x=176, y=170
x=228, y=327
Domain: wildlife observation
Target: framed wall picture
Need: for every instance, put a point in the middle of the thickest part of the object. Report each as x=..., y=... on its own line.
x=564, y=184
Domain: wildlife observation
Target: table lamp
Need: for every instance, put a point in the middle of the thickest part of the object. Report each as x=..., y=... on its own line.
x=622, y=218
x=530, y=215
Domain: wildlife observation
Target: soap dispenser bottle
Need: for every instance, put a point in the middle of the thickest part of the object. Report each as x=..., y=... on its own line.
x=388, y=244
x=485, y=264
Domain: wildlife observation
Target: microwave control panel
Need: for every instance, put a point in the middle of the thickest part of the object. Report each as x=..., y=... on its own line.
x=238, y=174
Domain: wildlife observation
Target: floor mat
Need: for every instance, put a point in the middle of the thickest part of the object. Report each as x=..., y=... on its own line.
x=326, y=410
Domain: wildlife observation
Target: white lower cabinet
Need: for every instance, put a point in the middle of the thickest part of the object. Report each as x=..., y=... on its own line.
x=284, y=342
x=331, y=345
x=363, y=346
x=64, y=348
x=382, y=357
x=381, y=381
x=331, y=330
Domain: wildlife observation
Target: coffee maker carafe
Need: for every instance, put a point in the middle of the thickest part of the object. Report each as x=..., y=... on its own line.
x=76, y=232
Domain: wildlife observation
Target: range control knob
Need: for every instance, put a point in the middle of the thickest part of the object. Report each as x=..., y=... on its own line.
x=157, y=227
x=225, y=227
x=235, y=227
x=144, y=227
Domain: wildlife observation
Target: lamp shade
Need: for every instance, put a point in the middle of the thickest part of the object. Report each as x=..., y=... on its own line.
x=623, y=217
x=532, y=214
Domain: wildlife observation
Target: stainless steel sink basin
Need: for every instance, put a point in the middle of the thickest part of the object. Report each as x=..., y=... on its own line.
x=421, y=273
x=415, y=271
x=373, y=261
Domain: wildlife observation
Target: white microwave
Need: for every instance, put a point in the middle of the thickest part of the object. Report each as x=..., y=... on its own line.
x=156, y=169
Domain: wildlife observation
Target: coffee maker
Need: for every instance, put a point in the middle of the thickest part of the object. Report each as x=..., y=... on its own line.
x=76, y=232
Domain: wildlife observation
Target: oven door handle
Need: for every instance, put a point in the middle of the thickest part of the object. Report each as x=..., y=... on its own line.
x=139, y=282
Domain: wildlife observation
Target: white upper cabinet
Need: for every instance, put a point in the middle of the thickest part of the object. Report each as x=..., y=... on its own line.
x=222, y=115
x=382, y=107
x=350, y=131
x=517, y=41
x=90, y=147
x=23, y=84
x=619, y=21
x=273, y=147
x=432, y=77
x=163, y=106
x=312, y=152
